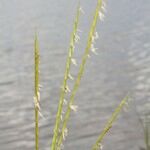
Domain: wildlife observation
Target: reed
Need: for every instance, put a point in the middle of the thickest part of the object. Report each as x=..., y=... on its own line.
x=36, y=92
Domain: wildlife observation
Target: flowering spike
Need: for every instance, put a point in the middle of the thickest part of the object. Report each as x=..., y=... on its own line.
x=101, y=16
x=110, y=123
x=69, y=61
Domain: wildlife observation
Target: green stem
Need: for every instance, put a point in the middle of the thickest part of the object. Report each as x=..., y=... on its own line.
x=109, y=123
x=66, y=77
x=36, y=94
x=36, y=129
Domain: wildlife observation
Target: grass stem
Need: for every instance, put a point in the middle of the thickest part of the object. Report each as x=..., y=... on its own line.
x=36, y=93
x=108, y=125
x=66, y=77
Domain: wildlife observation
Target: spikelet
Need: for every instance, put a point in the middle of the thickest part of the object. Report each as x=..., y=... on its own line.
x=94, y=50
x=74, y=108
x=74, y=62
x=67, y=89
x=65, y=102
x=65, y=133
x=37, y=106
x=70, y=77
x=103, y=8
x=77, y=38
x=102, y=11
x=70, y=60
x=95, y=37
x=110, y=123
x=40, y=86
x=101, y=16
x=99, y=146
x=88, y=56
x=81, y=10
x=36, y=103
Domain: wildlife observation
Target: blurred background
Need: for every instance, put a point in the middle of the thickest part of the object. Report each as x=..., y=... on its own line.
x=121, y=66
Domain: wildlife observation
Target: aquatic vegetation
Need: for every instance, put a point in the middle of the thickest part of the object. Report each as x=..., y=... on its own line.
x=70, y=106
x=62, y=117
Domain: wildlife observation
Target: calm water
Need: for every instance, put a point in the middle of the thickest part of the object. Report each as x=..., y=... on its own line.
x=121, y=66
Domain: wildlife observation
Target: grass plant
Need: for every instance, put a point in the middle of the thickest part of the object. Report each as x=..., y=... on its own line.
x=80, y=73
x=60, y=128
